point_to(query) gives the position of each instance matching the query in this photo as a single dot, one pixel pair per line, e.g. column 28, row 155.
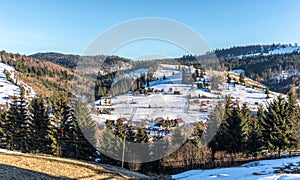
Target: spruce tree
column 109, row 146
column 255, row 138
column 141, row 136
column 233, row 143
column 213, row 131
column 19, row 126
column 85, row 131
column 68, row 132
column 277, row 126
column 44, row 140
column 294, row 116
column 242, row 78
column 26, row 126
column 246, row 121
column 120, row 129
column 4, row 130
column 220, row 140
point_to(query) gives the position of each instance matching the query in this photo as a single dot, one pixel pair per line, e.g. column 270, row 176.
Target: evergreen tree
column 4, row 130
column 130, row 134
column 242, row 78
column 213, row 131
column 220, row 140
column 68, row 147
column 19, row 124
column 277, row 126
column 254, row 143
column 294, row 115
column 44, row 132
column 246, row 121
column 292, row 97
column 26, row 127
column 141, row 136
column 58, row 105
column 84, row 131
column 109, row 146
column 233, row 143
column 120, row 129
column 267, row 92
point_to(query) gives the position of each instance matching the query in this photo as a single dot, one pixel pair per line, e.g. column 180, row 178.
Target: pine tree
column 26, row 126
column 84, row 131
column 44, row 140
column 294, row 116
column 267, row 92
column 120, row 129
column 130, row 134
column 19, row 126
column 233, row 143
column 109, row 147
column 220, row 141
column 213, row 130
column 246, row 121
column 141, row 136
column 68, row 135
column 292, row 96
column 57, row 107
column 277, row 126
column 242, row 78
column 4, row 130
column 254, row 143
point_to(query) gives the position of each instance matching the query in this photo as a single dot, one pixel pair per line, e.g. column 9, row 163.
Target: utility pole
column 123, row 153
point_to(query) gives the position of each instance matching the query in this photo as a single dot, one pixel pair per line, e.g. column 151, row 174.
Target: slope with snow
column 187, row 105
column 7, row 88
column 285, row 49
column 265, row 168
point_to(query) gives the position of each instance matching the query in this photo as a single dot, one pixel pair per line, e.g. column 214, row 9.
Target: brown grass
column 28, row 166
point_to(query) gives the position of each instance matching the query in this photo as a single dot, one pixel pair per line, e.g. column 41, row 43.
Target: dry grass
column 28, row 166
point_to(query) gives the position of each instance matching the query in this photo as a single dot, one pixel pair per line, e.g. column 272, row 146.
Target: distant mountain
column 254, row 50
column 71, row 61
column 67, row 60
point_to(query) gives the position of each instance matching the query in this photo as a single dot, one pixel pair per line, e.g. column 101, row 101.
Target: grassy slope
column 29, row 166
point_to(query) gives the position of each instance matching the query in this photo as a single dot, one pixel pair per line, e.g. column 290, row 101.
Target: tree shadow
column 13, row 172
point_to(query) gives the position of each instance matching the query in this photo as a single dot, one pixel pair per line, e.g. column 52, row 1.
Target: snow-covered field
column 6, row 88
column 187, row 105
column 283, row 50
column 245, row 172
column 279, row 50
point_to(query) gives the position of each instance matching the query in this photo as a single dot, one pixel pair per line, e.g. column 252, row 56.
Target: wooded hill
column 45, row 77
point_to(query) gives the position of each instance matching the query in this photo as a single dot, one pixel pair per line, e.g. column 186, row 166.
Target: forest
column 55, row 126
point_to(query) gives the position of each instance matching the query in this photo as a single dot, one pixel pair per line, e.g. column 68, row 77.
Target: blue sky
column 69, row 26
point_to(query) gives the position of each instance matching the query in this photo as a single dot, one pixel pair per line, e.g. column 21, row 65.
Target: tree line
column 48, row 125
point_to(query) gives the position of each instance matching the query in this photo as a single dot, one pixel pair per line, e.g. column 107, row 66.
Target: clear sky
column 68, row 26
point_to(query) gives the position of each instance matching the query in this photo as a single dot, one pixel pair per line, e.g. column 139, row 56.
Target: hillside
column 29, row 166
column 46, row 78
column 254, row 50
column 261, row 62
column 286, row 168
column 71, row 61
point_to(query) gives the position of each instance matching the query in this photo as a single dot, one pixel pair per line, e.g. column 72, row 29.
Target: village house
column 105, row 100
column 143, row 124
column 179, row 122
